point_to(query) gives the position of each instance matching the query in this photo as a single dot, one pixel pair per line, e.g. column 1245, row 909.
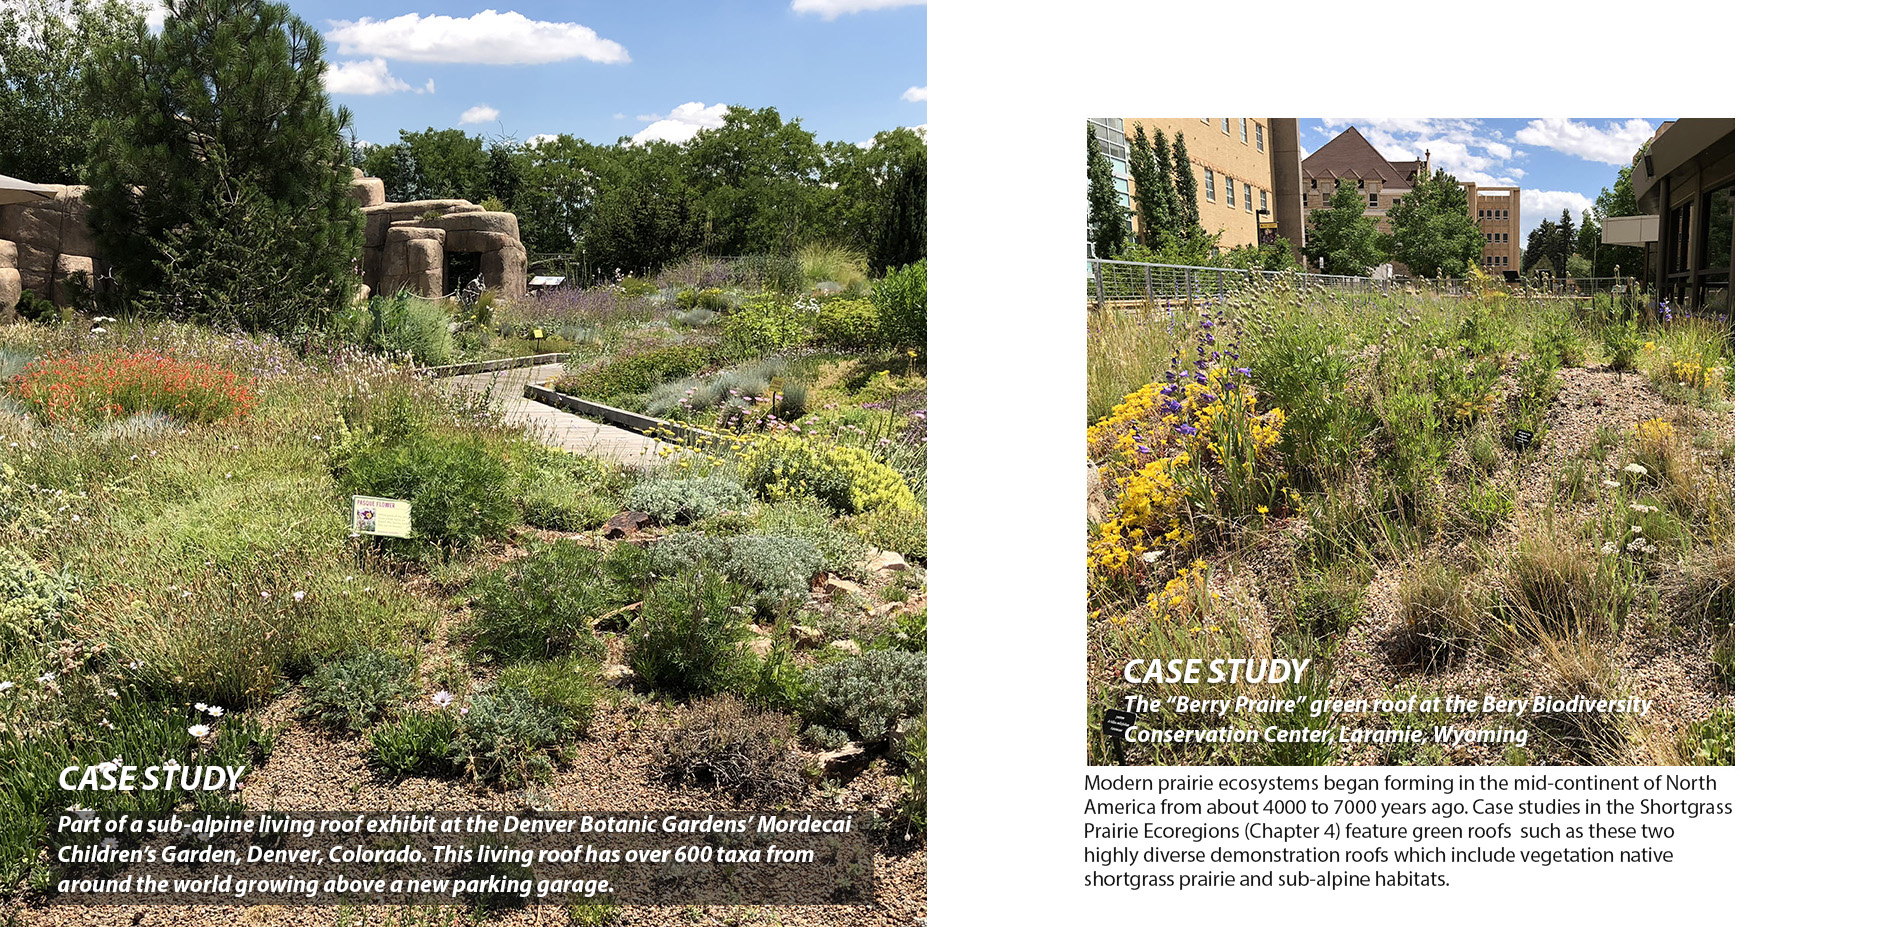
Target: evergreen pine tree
column 1565, row 245
column 219, row 185
column 902, row 230
column 1108, row 232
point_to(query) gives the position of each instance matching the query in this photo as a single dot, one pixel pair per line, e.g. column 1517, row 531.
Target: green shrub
column 721, row 744
column 915, row 756
column 905, row 531
column 33, row 603
column 1711, row 741
column 559, row 503
column 562, row 491
column 685, row 500
column 357, row 692
column 571, row 687
column 841, row 549
column 764, row 324
column 417, row 743
column 779, row 569
column 685, row 641
column 902, row 301
column 851, row 324
column 635, row 373
column 541, row 605
column 409, row 326
column 511, row 738
column 868, row 694
column 1621, row 343
column 461, row 486
column 847, row 479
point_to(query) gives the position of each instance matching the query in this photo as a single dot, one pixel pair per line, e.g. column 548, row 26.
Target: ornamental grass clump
column 87, row 389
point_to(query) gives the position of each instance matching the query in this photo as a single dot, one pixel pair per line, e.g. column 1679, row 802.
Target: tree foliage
column 1153, row 196
column 1619, row 199
column 1108, row 229
column 219, row 181
column 902, row 227
column 1185, row 188
column 46, row 105
column 1343, row 236
column 1433, row 233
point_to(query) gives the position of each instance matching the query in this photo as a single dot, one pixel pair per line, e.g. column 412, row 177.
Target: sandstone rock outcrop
column 405, row 244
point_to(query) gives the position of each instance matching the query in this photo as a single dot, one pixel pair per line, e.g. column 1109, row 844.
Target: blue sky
column 1558, row 163
column 847, row 69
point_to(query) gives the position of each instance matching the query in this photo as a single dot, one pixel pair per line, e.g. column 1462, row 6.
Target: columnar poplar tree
column 1107, row 230
column 1186, row 187
column 1164, row 181
column 1151, row 204
column 219, row 182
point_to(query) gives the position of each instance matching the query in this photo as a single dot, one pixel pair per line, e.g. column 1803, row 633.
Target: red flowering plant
column 85, row 389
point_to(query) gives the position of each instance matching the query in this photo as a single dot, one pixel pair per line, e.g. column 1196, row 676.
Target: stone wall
column 40, row 244
column 404, row 245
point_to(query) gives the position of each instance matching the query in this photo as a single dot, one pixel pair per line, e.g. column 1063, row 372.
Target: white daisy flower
column 442, row 699
column 200, row 731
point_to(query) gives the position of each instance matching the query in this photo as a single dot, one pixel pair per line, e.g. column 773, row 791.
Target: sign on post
column 376, row 515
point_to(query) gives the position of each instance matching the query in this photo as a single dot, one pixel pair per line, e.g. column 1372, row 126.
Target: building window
column 1316, row 183
column 1325, row 199
column 1230, row 191
column 1226, row 126
column 1372, row 202
column 1506, row 215
column 1259, row 137
column 1247, row 196
column 1210, row 183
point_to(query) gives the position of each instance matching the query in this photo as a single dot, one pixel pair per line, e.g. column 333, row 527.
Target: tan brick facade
column 1233, row 172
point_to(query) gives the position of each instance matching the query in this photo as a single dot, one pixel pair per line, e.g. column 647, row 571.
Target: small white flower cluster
column 1644, row 509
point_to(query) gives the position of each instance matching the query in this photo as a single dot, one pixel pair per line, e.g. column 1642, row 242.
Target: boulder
column 367, row 191
column 806, row 636
column 619, row 674
column 883, row 560
column 9, row 253
column 506, row 271
column 627, row 524
column 848, row 647
column 835, row 586
column 846, row 761
column 68, row 265
column 466, row 240
column 9, row 292
column 479, row 220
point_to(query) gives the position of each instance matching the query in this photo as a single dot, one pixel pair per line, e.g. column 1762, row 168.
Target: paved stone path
column 555, row 427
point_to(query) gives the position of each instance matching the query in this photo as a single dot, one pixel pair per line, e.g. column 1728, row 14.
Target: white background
column 1810, row 85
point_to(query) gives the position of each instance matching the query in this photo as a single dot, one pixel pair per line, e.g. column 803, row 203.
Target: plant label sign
column 376, row 515
column 1522, row 439
column 1116, row 722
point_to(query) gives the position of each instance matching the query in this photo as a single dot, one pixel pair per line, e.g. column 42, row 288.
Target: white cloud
column 487, row 37
column 476, row 115
column 1614, row 145
column 1459, row 146
column 537, row 140
column 620, row 115
column 832, row 9
column 155, row 13
column 368, row 78
column 923, row 132
column 917, row 94
column 685, row 121
column 1538, row 205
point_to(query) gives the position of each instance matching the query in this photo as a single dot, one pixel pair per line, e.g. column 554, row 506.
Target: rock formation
column 404, row 245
